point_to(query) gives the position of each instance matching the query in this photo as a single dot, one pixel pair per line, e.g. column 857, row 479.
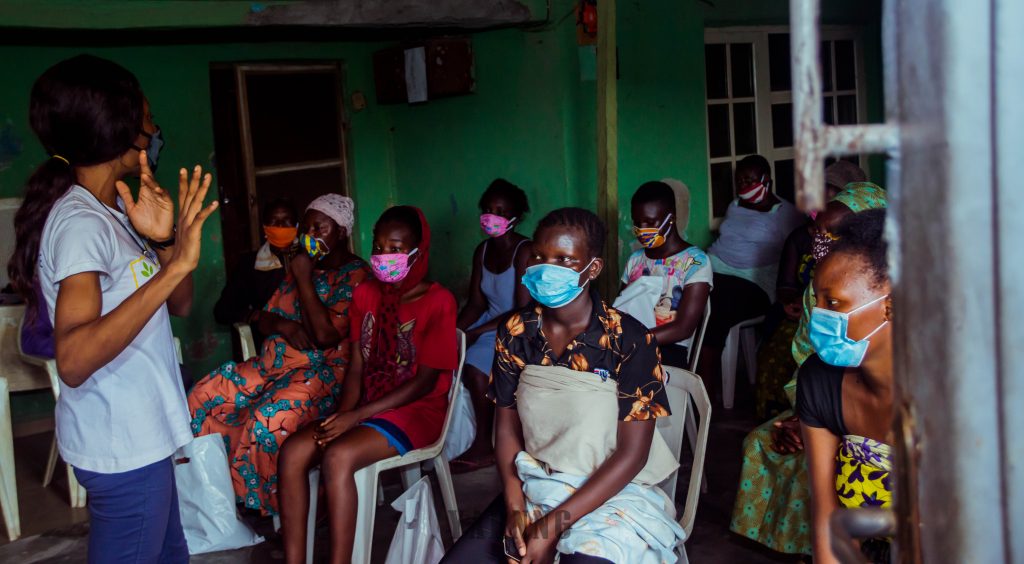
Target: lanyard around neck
column 146, row 252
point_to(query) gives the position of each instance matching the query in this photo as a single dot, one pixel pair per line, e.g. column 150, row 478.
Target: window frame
column 757, row 36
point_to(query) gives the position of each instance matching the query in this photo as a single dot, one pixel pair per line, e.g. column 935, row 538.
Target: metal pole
column 808, row 154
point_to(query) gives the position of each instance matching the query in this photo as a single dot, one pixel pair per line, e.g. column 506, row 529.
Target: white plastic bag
column 463, row 427
column 417, row 538
column 639, row 299
column 207, row 499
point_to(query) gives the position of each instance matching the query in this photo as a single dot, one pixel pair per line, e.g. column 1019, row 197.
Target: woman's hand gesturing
column 152, row 215
column 191, row 216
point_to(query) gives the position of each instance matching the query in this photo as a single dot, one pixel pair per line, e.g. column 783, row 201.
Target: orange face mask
column 280, row 237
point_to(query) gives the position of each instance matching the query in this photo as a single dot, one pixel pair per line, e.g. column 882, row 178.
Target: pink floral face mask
column 391, row 268
column 495, row 225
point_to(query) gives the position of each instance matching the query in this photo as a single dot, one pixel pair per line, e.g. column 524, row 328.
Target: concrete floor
column 53, row 532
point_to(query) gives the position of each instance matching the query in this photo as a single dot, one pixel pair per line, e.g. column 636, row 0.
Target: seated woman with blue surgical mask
column 845, row 390
column 578, row 387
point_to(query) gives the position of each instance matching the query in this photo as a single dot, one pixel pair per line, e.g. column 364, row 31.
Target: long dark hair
column 85, row 111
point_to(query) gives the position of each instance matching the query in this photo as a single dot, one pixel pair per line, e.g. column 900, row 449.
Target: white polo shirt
column 131, row 412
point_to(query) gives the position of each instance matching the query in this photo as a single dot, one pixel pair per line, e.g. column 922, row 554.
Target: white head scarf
column 337, row 207
column 682, row 204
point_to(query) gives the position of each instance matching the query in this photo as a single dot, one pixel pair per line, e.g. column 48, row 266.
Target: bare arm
column 821, row 445
column 508, row 439
column 477, row 302
column 179, row 303
column 84, row 339
column 352, row 387
column 787, row 281
column 409, row 391
column 688, row 315
column 508, row 443
column 294, row 332
column 316, row 318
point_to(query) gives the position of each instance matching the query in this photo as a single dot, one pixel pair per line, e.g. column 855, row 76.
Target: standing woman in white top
column 111, row 268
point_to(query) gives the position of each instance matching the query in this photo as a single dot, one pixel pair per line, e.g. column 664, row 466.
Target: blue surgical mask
column 156, row 141
column 552, row 285
column 828, row 334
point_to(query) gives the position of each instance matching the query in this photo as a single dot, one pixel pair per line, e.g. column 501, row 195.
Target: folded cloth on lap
column 570, row 421
column 636, row 525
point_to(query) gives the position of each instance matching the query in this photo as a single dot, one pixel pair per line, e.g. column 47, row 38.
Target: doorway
column 279, row 132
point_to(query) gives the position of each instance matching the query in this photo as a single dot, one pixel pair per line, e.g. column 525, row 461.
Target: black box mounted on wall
column 448, row 66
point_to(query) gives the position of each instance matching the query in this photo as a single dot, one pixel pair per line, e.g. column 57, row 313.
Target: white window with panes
column 749, row 101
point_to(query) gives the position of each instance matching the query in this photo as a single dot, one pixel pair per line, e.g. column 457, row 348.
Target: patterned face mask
column 754, row 193
column 651, row 237
column 393, row 267
column 822, row 245
column 314, row 246
column 495, row 225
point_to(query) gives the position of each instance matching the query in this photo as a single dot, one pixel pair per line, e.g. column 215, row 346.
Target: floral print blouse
column 614, row 345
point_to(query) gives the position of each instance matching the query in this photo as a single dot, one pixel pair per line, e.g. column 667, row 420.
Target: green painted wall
column 521, row 124
column 661, row 107
column 531, row 120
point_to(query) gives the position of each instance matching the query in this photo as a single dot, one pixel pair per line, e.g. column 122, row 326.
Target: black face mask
column 156, row 142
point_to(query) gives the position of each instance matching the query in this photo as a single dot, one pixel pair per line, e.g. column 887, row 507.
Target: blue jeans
column 133, row 516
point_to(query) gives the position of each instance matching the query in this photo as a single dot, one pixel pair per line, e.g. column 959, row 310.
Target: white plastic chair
column 245, row 338
column 691, row 420
column 368, row 489
column 75, row 491
column 682, row 388
column 698, row 338
column 742, row 339
column 8, row 485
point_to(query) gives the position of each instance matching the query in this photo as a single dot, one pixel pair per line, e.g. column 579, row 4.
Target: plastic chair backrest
column 682, row 388
column 246, row 342
column 698, row 337
column 47, row 364
column 453, row 392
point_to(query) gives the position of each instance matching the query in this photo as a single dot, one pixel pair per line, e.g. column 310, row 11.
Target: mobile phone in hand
column 511, row 550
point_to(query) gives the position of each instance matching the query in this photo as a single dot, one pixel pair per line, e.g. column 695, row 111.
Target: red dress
column 426, row 335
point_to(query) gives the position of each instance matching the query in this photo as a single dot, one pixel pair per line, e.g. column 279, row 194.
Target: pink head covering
column 337, row 207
